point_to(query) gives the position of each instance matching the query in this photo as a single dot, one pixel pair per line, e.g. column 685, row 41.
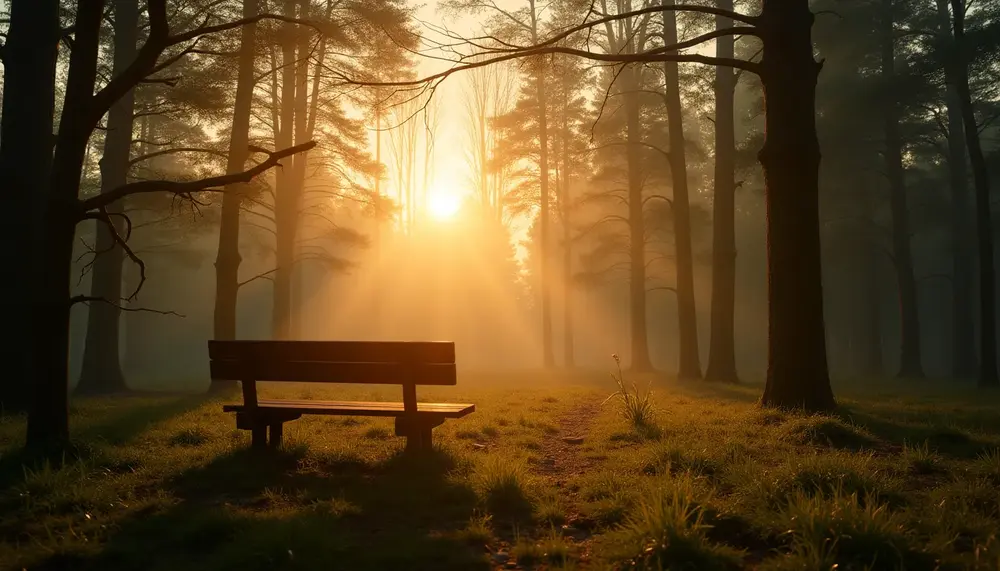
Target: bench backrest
column 357, row 362
column 360, row 362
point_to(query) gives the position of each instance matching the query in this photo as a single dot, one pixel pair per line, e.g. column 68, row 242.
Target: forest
column 770, row 214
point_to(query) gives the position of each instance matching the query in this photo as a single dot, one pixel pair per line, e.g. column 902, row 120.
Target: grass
column 899, row 477
column 635, row 406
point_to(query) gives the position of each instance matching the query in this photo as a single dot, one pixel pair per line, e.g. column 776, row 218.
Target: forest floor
column 544, row 475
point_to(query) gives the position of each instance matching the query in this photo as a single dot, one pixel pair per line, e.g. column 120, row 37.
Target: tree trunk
column 26, row 137
column 569, row 360
column 548, row 356
column 871, row 322
column 286, row 198
column 909, row 358
column 797, row 374
column 984, row 224
column 299, row 168
column 722, row 343
column 636, row 225
column 48, row 421
column 964, row 362
column 689, row 366
column 228, row 259
column 102, row 372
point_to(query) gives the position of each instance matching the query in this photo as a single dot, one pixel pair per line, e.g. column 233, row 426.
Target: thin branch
column 89, row 298
column 261, row 276
column 155, row 154
column 215, row 183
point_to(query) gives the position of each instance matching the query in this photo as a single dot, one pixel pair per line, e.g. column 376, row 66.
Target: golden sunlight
column 443, row 203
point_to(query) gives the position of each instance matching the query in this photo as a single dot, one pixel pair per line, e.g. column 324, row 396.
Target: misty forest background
column 654, row 206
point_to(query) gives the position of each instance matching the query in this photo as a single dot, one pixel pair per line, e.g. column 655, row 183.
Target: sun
column 443, row 204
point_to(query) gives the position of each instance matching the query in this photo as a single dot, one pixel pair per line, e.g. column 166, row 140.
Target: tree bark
column 636, row 222
column 964, row 362
column 871, row 322
column 689, row 366
column 797, row 374
column 984, row 225
column 299, row 168
column 48, row 421
column 722, row 343
column 26, row 137
column 228, row 259
column 101, row 372
column 548, row 355
column 566, row 206
column 286, row 198
column 910, row 365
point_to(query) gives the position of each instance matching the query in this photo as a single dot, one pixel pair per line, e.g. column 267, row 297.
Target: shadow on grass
column 944, row 439
column 129, row 416
column 126, row 417
column 288, row 510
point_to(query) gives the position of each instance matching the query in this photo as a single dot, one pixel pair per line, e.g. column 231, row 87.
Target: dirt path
column 561, row 452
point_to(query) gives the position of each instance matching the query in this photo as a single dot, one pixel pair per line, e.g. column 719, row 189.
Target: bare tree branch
column 89, row 299
column 186, row 188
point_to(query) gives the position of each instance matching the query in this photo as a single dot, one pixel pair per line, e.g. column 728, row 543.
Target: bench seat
column 357, row 408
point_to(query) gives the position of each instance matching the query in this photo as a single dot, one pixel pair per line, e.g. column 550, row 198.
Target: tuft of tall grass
column 551, row 548
column 635, row 406
column 479, row 530
column 503, row 484
column 853, row 532
column 920, row 459
column 667, row 530
column 987, row 465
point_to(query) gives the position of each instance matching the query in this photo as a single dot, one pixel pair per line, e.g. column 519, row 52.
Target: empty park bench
column 350, row 362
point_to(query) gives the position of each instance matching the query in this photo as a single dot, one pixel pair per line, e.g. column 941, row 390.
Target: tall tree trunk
column 689, row 366
column 299, row 168
column 984, row 224
column 286, row 198
column 964, row 362
column 228, row 259
column 548, row 356
column 377, row 239
column 870, row 324
column 26, row 137
column 565, row 203
column 636, row 225
column 48, row 421
column 797, row 374
column 101, row 371
column 722, row 343
column 909, row 358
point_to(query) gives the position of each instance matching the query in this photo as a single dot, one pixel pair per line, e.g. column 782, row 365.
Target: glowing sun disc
column 443, row 204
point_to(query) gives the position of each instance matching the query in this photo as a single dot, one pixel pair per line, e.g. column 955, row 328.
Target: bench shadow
column 286, row 509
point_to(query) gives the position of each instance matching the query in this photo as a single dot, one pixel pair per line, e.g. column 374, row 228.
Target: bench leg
column 258, row 437
column 419, row 439
column 417, row 431
column 425, row 437
column 275, row 438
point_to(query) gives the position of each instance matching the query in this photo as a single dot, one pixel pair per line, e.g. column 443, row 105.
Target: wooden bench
column 353, row 362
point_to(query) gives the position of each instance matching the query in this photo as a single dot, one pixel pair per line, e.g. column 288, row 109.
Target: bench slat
column 439, row 352
column 357, row 408
column 345, row 373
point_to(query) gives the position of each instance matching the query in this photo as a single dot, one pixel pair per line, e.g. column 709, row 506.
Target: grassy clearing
column 707, row 480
